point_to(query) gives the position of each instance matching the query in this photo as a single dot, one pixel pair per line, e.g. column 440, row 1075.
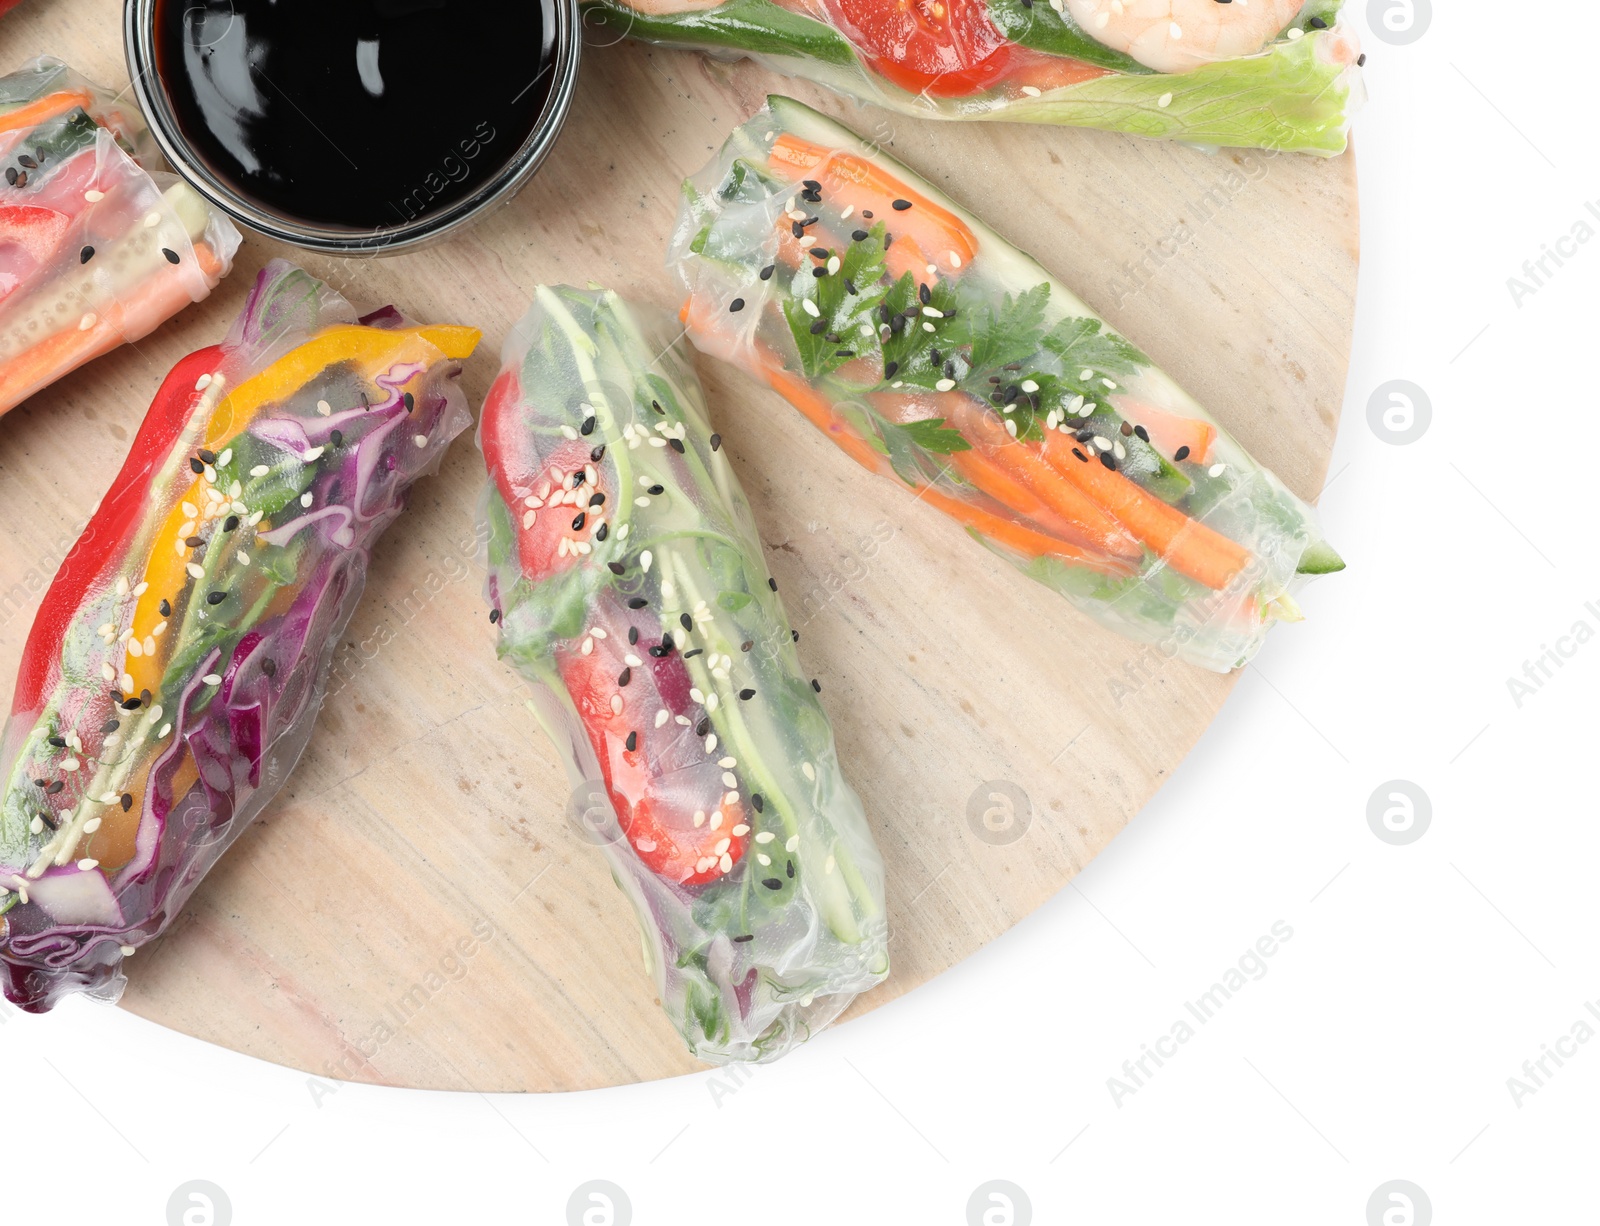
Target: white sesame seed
column 312, row 453
column 711, row 742
column 833, row 263
column 260, row 470
column 152, row 220
column 196, row 570
column 211, row 679
column 645, row 559
column 1216, row 470
column 1295, row 32
column 1033, row 91
column 305, row 499
column 109, row 673
column 926, row 326
column 127, row 951
column 662, row 717
column 726, row 863
column 94, row 197
column 716, row 820
column 632, row 661
column 729, row 780
column 141, row 589
column 36, row 826
column 324, row 408
column 88, row 321
column 90, row 826
column 222, row 460
column 793, row 844
column 763, row 859
column 1165, row 100
column 203, row 382
column 944, row 385
column 88, row 863
column 809, row 771
column 1029, row 386
column 616, row 704
column 135, row 648
column 567, row 432
column 810, row 308
column 766, row 836
column 699, row 818
column 165, row 728
column 127, row 682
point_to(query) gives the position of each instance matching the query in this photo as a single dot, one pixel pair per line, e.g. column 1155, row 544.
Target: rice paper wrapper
column 173, row 676
column 937, row 354
column 99, row 245
column 630, row 589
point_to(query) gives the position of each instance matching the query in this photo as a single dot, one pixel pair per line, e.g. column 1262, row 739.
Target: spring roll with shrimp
column 932, row 351
column 174, row 671
column 630, row 588
column 1273, row 74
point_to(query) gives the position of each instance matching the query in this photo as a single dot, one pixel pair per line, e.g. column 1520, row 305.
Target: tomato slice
column 672, row 801
column 943, row 48
column 29, row 236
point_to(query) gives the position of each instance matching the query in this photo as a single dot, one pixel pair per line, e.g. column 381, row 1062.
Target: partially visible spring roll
column 95, row 249
column 931, row 350
column 175, row 668
column 630, row 588
column 1273, row 74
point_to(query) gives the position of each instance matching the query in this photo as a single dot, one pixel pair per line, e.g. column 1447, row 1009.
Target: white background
column 1379, row 1042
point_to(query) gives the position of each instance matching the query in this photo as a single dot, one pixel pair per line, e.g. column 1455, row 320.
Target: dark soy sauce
column 359, row 114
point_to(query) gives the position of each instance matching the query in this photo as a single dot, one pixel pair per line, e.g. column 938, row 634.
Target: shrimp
column 1180, row 35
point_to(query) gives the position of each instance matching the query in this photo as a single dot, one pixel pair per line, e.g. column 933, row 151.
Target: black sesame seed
column 1316, row 23
column 60, row 742
column 703, row 727
column 55, row 787
column 49, row 821
column 625, row 676
column 494, row 616
column 900, row 206
column 336, row 437
column 867, row 213
column 409, row 401
column 638, row 602
column 616, row 568
column 736, row 305
column 772, row 883
column 172, row 256
column 126, row 802
column 1142, row 433
column 596, row 455
column 603, row 531
column 596, row 500
column 25, row 160
column 859, row 235
column 270, row 667
column 216, row 598
column 166, row 608
column 667, row 644
column 11, row 175
column 889, row 368
column 656, row 489
column 850, row 286
column 207, row 457
column 676, row 444
column 766, row 273
column 716, row 442
column 633, row 634
column 797, row 230
column 818, row 328
column 633, row 741
column 1080, row 455
column 111, row 725
column 795, row 636
column 193, row 542
column 820, row 253
column 743, row 937
column 578, row 521
column 746, row 645
column 811, row 185
column 821, row 270
column 195, row 465
column 760, row 805
column 131, row 704
column 1127, row 430
column 656, row 405
column 229, row 524
column 1361, row 60
column 746, row 695
column 1182, row 453
column 1105, row 458
column 689, row 655
column 86, row 255
column 924, row 294
column 686, row 621
column 788, row 867
column 772, row 583
column 1083, row 436
column 587, row 427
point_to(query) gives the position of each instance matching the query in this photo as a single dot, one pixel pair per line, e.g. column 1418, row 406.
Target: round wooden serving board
column 345, row 933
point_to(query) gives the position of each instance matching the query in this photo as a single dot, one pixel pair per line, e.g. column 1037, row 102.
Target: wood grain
column 345, row 933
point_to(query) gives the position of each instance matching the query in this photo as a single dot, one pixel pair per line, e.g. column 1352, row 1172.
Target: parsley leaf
column 841, row 313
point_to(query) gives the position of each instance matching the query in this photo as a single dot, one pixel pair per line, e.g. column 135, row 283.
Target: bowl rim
column 138, row 34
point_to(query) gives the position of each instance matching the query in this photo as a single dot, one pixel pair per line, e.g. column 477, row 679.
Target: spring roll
column 95, row 250
column 176, row 665
column 1274, row 74
column 630, row 589
column 931, row 350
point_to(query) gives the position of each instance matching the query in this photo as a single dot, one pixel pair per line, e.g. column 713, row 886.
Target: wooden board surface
column 334, row 936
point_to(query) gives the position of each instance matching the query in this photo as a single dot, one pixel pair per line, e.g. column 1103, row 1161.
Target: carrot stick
column 40, row 109
column 1018, row 538
column 867, row 187
column 984, row 431
column 1187, row 545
